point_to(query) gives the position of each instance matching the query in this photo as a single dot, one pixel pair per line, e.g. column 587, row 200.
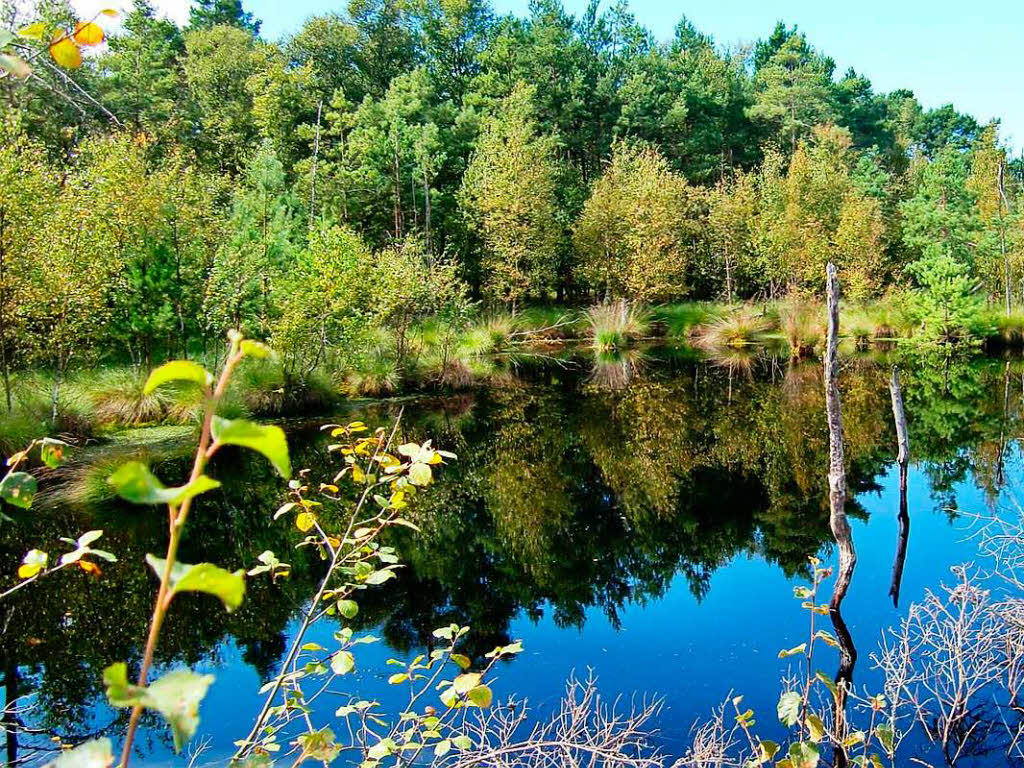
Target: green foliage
column 946, row 303
column 638, row 228
column 521, row 234
column 176, row 696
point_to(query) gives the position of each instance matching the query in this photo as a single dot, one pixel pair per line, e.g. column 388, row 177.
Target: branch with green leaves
column 442, row 685
column 176, row 695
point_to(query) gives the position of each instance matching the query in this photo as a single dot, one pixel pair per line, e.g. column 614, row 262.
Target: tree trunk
column 902, row 460
column 837, row 508
column 837, row 461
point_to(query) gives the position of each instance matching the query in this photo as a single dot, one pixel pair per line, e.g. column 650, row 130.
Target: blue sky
column 944, row 52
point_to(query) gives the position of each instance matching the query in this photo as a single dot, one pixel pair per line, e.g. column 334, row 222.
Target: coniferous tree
column 210, row 13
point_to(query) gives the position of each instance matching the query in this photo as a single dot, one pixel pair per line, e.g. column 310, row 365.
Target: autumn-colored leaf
column 65, row 52
column 88, row 33
column 34, row 31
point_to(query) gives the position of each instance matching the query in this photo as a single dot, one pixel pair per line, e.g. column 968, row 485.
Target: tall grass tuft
column 615, row 324
column 1010, row 328
column 802, row 325
column 118, row 399
column 737, row 328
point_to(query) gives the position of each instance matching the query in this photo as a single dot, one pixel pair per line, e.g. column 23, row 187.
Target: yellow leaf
column 35, row 31
column 28, row 570
column 65, row 52
column 109, row 12
column 305, row 521
column 88, row 33
column 88, row 567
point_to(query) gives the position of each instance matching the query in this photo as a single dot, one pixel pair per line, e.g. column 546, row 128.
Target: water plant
column 737, row 327
column 614, row 324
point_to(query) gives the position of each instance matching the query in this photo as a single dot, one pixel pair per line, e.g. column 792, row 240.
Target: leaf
column 768, row 750
column 15, row 65
column 97, row 753
column 88, row 33
column 886, row 737
column 442, row 748
column 481, row 696
column 462, row 660
column 320, row 746
column 397, row 678
column 462, row 742
column 268, row 440
column 34, row 31
column 420, row 474
column 135, row 483
column 64, row 51
column 32, row 563
column 176, row 696
column 88, row 538
column 796, row 650
column 343, row 662
column 177, row 370
column 379, row 577
column 305, row 521
column 52, row 452
column 348, row 608
column 815, row 727
column 789, row 708
column 803, row 754
column 467, row 682
column 19, row 489
column 203, row 577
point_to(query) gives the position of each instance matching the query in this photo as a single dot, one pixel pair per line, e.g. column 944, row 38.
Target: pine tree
column 209, row 13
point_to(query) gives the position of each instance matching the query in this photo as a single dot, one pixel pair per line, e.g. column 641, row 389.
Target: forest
column 568, row 289
column 391, row 191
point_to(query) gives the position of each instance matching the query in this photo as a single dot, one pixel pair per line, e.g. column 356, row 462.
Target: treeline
column 407, row 158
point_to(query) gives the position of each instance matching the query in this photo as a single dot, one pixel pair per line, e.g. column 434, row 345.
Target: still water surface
column 644, row 518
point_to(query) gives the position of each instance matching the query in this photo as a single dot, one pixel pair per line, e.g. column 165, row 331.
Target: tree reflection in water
column 576, row 487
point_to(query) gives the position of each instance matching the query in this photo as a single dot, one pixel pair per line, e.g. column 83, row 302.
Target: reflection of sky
column 693, row 653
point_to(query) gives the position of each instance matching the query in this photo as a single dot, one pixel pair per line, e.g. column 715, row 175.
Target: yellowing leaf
column 33, row 562
column 92, row 754
column 64, row 51
column 34, row 31
column 109, row 12
column 88, row 33
column 481, row 696
column 342, row 662
column 15, row 65
column 420, row 474
column 305, row 521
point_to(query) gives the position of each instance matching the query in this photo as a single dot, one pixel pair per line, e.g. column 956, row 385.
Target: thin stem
column 176, row 520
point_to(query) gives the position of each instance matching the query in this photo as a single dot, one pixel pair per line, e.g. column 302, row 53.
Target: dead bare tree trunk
column 902, row 460
column 837, row 507
column 837, row 461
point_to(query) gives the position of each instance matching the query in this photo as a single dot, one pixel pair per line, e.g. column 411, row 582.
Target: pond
column 641, row 518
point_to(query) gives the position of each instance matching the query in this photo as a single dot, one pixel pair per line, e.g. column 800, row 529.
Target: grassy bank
column 435, row 356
